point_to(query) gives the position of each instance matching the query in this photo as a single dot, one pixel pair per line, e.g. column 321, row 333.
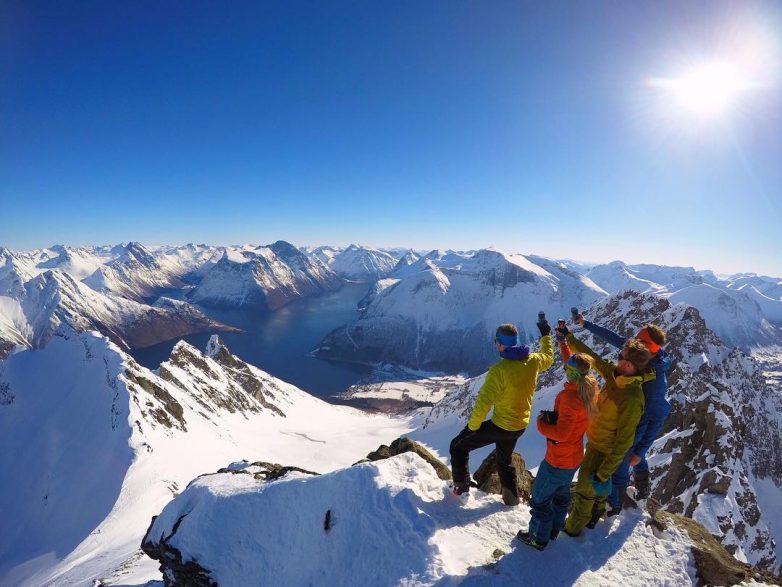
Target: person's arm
column 564, row 351
column 544, row 357
column 604, row 334
column 560, row 431
column 485, row 399
column 605, row 368
column 629, row 414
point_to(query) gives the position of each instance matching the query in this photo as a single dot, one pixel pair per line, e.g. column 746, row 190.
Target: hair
column 586, row 385
column 635, row 352
column 507, row 330
column 656, row 333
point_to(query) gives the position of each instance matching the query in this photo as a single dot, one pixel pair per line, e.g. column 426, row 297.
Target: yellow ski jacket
column 508, row 387
column 620, row 404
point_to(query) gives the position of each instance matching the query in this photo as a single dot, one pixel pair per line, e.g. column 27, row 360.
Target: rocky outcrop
column 488, row 479
column 403, row 445
column 714, row 565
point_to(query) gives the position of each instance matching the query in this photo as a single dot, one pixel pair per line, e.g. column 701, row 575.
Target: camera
column 549, row 416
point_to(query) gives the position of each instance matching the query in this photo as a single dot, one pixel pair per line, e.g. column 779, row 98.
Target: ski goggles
column 506, row 339
column 643, row 336
column 571, row 371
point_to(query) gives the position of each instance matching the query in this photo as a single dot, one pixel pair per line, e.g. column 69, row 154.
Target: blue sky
column 529, row 126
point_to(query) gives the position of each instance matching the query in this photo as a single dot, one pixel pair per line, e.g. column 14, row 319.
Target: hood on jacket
column 519, row 352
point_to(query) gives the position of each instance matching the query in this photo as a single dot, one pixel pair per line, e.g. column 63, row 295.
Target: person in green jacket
column 508, row 388
column 611, row 433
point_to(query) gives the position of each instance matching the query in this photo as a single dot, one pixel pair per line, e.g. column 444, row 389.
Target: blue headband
column 506, row 339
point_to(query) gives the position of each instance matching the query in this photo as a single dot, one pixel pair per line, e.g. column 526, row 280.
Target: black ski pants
column 488, row 433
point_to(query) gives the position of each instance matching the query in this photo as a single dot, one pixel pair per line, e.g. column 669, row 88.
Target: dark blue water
column 278, row 342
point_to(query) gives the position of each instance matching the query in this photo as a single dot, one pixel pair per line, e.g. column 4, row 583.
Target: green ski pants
column 583, row 497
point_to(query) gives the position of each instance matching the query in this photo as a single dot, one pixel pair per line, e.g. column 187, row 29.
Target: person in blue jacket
column 656, row 410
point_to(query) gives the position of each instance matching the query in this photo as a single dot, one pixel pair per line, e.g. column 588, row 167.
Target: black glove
column 548, row 416
column 544, row 328
column 561, row 333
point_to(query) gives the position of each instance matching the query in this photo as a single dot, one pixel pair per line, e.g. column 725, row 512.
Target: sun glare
column 708, row 90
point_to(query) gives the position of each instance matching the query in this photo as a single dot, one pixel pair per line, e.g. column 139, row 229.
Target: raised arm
column 605, row 368
column 544, row 357
column 604, row 334
column 564, row 351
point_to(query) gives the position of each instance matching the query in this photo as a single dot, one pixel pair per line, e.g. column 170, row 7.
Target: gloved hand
column 601, row 487
column 544, row 328
column 561, row 333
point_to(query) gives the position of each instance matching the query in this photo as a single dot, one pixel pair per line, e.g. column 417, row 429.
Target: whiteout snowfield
column 95, row 445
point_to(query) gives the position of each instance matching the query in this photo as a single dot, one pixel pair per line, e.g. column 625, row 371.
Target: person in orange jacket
column 564, row 430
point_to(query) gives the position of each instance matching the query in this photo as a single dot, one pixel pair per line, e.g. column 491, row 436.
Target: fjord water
column 278, row 342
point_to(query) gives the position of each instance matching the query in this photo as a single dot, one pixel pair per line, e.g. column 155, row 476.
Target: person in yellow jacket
column 620, row 404
column 508, row 388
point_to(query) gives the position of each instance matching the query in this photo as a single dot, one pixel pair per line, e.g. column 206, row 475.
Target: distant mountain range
column 97, row 444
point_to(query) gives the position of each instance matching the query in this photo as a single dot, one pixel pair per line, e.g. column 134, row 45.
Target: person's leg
column 467, row 441
column 619, row 482
column 543, row 489
column 641, row 479
column 583, row 494
column 560, row 501
column 505, row 444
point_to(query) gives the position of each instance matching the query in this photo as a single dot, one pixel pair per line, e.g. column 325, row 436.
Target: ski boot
column 530, row 541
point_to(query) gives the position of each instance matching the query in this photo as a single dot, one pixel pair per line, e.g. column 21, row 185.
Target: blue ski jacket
column 656, row 406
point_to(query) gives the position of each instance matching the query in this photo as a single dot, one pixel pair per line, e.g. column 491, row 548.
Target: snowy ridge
column 121, row 440
column 442, row 312
column 745, row 310
column 355, row 262
column 267, row 277
column 392, row 522
column 135, row 275
column 53, row 298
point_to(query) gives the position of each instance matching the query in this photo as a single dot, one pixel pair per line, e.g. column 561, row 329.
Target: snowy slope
column 136, row 274
column 268, row 277
column 734, row 315
column 53, row 298
column 768, row 286
column 121, row 440
column 355, row 262
column 616, row 276
column 442, row 313
column 391, row 522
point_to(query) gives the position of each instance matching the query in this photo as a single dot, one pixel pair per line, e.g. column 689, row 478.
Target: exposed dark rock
column 404, row 444
column 489, row 481
column 268, row 472
column 714, row 564
column 6, row 395
column 171, row 413
column 176, row 572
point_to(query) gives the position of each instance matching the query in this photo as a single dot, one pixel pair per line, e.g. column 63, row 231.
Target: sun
column 708, row 90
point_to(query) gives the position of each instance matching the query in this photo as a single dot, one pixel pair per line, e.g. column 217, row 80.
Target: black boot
column 510, row 496
column 641, row 482
column 617, row 509
column 597, row 513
